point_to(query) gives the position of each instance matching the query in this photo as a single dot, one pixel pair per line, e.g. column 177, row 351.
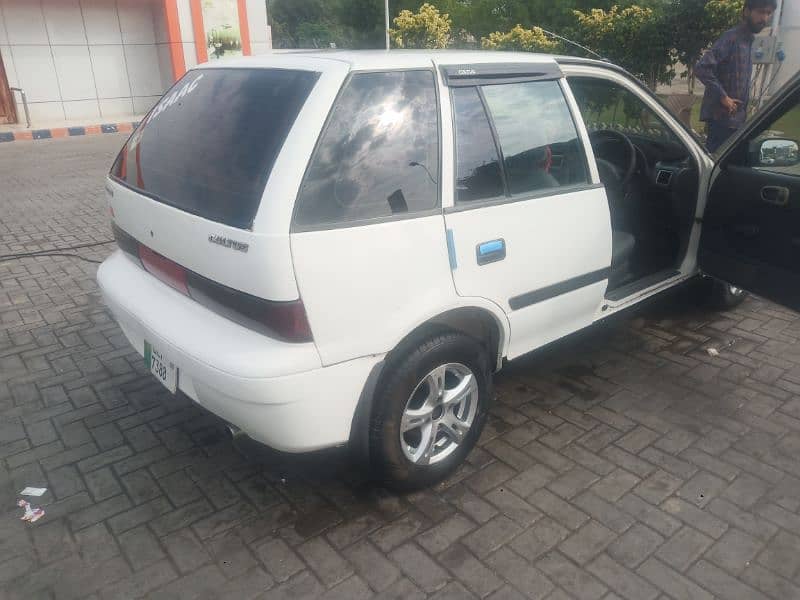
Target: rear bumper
column 277, row 393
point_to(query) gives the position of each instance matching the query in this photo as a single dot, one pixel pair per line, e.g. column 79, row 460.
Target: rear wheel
column 429, row 411
column 723, row 296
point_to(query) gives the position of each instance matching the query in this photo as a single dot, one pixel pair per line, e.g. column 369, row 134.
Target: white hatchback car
column 341, row 248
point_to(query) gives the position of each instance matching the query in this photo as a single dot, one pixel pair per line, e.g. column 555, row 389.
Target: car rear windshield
column 209, row 145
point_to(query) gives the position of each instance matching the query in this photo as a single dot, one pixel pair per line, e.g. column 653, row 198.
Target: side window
column 537, row 136
column 607, row 105
column 378, row 155
column 478, row 172
column 775, row 149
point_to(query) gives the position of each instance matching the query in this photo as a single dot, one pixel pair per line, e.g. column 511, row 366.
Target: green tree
column 519, row 38
column 427, row 28
column 695, row 24
column 634, row 37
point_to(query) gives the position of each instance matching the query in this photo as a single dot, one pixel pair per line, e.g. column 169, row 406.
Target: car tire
column 723, row 296
column 438, row 392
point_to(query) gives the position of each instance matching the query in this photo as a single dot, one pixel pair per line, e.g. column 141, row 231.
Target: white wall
column 85, row 59
column 260, row 34
column 789, row 34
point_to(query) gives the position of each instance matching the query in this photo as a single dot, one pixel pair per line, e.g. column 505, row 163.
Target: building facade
column 98, row 59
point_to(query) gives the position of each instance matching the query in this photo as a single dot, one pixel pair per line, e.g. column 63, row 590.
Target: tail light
column 285, row 320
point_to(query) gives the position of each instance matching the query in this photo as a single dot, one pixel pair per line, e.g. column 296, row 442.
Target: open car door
column 751, row 226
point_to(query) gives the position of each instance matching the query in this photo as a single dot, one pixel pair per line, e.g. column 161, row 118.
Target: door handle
column 489, row 252
column 775, row 195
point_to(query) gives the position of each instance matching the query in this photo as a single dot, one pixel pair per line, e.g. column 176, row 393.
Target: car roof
column 367, row 60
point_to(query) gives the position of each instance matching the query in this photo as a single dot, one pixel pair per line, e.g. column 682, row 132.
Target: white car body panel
column 539, row 254
column 274, row 391
column 365, row 286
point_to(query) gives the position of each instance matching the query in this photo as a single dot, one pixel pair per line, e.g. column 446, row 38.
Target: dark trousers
column 717, row 134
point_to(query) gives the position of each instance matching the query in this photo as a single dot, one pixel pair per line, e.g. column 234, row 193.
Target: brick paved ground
column 625, row 464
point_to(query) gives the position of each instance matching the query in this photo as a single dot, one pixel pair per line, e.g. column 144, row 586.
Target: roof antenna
column 576, row 44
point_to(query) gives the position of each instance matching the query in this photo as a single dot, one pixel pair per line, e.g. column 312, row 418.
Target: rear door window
column 537, row 135
column 479, row 175
column 209, row 145
column 378, row 155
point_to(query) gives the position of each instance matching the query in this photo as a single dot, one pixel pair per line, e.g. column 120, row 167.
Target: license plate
column 161, row 367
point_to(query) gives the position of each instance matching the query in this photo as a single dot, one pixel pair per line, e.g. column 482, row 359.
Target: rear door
column 529, row 225
column 202, row 180
column 751, row 226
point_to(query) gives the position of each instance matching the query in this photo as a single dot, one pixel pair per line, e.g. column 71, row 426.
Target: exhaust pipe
column 234, row 432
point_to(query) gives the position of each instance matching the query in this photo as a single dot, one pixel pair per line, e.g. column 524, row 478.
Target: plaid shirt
column 725, row 70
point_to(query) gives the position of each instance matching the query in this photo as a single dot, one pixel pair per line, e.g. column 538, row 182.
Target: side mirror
column 777, row 152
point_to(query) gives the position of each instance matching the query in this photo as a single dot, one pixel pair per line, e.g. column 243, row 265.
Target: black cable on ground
column 57, row 252
column 83, row 258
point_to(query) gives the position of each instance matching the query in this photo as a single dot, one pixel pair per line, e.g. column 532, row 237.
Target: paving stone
column 440, row 537
column 326, row 563
column 281, row 562
column 527, row 579
column 635, row 545
column 769, row 583
column 719, row 583
column 231, row 554
column 572, row 482
column 353, row 588
column 203, row 581
column 489, row 477
column 623, row 581
column 96, row 544
column 179, row 488
column 140, row 584
column 658, row 486
column 576, row 581
column 186, row 551
column 746, row 521
column 397, row 532
column 558, row 510
column 400, row 590
column 419, row 567
column 614, row 485
column 637, row 440
column 540, row 538
column 469, row 570
column 140, row 486
column 701, row 488
column 684, row 548
column 453, row 591
column 489, row 537
column 781, row 554
column 604, row 512
column 65, row 481
column 531, row 480
column 513, row 506
column 140, row 547
column 100, row 511
column 102, row 484
column 583, row 545
column 691, row 515
column 673, row 583
column 734, row 551
column 373, row 566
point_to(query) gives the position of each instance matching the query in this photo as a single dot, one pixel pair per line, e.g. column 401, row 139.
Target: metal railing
column 24, row 104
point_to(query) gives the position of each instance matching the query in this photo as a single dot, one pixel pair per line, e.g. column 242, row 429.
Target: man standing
column 726, row 70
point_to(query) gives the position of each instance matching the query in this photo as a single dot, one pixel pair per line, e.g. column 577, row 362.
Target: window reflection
column 537, row 136
column 478, row 173
column 379, row 153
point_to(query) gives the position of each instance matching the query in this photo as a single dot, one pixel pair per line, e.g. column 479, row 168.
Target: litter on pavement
column 32, row 513
column 33, row 491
